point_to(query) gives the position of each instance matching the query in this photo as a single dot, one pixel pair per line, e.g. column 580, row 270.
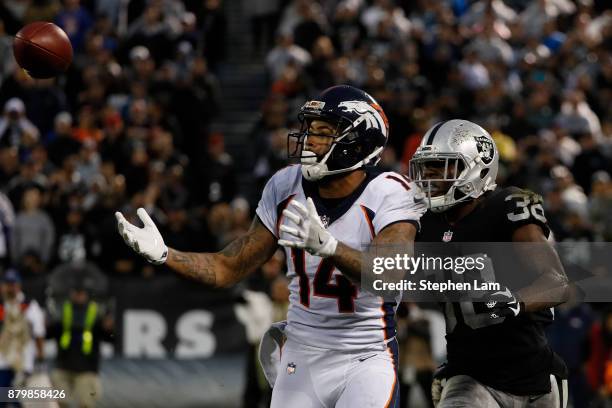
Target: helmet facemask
column 339, row 158
column 442, row 178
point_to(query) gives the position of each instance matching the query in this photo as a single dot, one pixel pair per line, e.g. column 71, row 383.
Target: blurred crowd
column 129, row 125
column 536, row 74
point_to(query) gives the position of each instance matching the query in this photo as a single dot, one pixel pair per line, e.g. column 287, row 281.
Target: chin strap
column 316, row 171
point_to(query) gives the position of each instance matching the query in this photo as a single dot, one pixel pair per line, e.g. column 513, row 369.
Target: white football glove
column 309, row 232
column 146, row 241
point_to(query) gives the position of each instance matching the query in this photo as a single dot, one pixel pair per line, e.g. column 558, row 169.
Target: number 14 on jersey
column 339, row 288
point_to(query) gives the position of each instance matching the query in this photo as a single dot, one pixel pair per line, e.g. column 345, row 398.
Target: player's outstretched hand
column 147, row 241
column 309, row 232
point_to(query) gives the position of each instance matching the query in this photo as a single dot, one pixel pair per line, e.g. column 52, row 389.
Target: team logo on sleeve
column 485, row 147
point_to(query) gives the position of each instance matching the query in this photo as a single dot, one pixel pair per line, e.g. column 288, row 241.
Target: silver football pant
column 462, row 391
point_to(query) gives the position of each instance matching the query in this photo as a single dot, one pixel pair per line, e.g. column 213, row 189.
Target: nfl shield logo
column 290, row 368
column 448, row 235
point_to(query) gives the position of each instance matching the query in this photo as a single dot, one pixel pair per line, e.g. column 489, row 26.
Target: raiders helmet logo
column 324, row 220
column 485, row 147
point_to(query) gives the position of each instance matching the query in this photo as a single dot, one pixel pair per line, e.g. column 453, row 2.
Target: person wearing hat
column 78, row 331
column 22, row 331
column 572, row 195
column 142, row 65
column 15, row 128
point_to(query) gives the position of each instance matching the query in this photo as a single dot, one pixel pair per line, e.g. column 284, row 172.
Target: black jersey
column 513, row 355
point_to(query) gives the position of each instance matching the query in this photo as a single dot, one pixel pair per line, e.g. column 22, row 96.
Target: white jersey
column 327, row 310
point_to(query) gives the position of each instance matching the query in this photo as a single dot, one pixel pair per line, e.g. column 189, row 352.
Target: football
column 42, row 49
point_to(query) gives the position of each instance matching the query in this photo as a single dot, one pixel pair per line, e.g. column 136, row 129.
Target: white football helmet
column 469, row 159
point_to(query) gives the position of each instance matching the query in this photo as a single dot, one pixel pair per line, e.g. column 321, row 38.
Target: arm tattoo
column 245, row 254
column 239, row 258
column 401, row 233
column 350, row 261
column 193, row 265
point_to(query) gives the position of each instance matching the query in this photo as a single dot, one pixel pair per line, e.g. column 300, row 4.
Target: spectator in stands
column 220, row 224
column 577, row 117
column 297, row 12
column 590, row 160
column 573, row 196
column 75, row 20
column 15, row 128
column 75, row 238
column 34, row 230
column 182, row 229
column 310, row 27
column 213, row 25
column 152, row 30
column 205, row 86
column 143, row 65
column 78, row 332
column 474, row 73
column 60, row 142
column 43, row 100
column 216, row 173
column 284, row 53
column 383, row 15
column 490, row 46
column 567, row 147
column 6, row 54
column 349, row 33
column 190, row 37
column 320, row 69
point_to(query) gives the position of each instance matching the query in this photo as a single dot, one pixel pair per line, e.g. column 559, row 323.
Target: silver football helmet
column 457, row 160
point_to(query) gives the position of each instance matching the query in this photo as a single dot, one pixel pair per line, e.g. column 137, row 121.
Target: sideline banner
column 167, row 317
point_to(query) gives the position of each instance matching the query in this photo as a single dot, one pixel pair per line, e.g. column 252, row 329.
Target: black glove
column 499, row 304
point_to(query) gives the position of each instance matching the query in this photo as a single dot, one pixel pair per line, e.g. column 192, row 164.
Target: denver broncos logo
column 371, row 114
